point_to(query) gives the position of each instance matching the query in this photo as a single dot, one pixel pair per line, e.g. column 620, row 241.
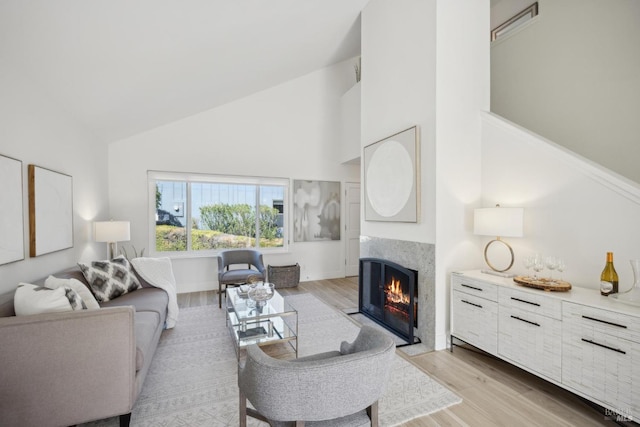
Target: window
column 199, row 214
column 514, row 22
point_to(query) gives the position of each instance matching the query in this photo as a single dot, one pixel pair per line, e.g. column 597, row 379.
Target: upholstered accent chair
column 254, row 267
column 336, row 388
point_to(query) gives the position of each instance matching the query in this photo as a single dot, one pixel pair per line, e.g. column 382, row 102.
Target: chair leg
column 219, row 295
column 243, row 410
column 125, row 419
column 372, row 411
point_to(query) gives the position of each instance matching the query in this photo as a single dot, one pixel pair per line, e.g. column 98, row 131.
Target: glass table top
column 246, row 309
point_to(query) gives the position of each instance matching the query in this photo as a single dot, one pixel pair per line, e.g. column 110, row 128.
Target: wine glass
column 528, row 263
column 562, row 266
column 538, row 265
column 551, row 263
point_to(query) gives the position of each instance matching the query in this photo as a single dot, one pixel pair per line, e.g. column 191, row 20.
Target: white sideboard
column 579, row 340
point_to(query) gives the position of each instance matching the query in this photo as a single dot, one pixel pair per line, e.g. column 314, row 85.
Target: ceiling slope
column 121, row 67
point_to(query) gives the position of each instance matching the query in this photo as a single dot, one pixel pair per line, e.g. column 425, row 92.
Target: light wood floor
column 494, row 392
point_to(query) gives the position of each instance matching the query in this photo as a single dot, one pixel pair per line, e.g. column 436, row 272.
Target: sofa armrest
column 67, row 368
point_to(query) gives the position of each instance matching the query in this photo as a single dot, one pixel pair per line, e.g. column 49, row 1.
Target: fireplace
column 388, row 294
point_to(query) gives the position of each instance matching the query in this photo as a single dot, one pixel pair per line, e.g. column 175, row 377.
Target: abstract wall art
column 391, row 178
column 316, row 210
column 50, row 211
column 11, row 220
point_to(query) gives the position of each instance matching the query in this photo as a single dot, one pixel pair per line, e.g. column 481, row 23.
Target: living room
column 423, row 63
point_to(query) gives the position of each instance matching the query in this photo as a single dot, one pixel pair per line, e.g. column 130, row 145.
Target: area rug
column 192, row 380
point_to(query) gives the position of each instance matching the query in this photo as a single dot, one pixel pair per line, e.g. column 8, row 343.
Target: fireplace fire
column 388, row 295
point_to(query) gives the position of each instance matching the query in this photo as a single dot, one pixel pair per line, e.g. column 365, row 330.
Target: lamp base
column 498, row 273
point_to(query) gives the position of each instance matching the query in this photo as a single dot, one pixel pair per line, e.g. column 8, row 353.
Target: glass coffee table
column 274, row 322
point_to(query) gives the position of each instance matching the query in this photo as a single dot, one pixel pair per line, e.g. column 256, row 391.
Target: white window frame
column 154, row 176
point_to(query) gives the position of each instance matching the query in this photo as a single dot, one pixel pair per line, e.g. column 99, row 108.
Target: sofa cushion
column 31, row 299
column 81, row 289
column 147, row 326
column 110, row 279
column 145, row 299
column 239, row 275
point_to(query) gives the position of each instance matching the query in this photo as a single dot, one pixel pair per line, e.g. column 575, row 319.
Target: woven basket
column 284, row 276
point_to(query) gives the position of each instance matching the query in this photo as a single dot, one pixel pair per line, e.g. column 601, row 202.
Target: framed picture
column 391, row 178
column 50, row 211
column 11, row 222
column 316, row 210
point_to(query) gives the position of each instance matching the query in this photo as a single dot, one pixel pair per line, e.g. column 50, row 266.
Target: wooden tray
column 544, row 284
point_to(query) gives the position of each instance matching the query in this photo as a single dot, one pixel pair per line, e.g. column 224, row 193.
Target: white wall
column 573, row 76
column 348, row 147
column 426, row 63
column 462, row 82
column 398, row 92
column 574, row 208
column 35, row 130
column 287, row 131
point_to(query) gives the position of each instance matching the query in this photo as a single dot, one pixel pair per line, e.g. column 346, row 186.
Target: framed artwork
column 391, row 178
column 11, row 222
column 316, row 210
column 50, row 211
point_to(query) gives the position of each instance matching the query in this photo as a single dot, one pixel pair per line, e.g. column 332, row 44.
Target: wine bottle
column 609, row 278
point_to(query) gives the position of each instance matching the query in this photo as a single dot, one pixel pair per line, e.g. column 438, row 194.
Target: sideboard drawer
column 474, row 287
column 607, row 322
column 604, row 367
column 475, row 321
column 532, row 340
column 539, row 303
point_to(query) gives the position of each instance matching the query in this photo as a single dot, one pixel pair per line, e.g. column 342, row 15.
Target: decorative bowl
column 262, row 292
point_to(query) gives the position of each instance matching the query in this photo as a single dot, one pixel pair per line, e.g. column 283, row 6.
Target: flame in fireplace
column 394, row 292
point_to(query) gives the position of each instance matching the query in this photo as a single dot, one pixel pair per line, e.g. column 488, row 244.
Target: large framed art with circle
column 391, row 177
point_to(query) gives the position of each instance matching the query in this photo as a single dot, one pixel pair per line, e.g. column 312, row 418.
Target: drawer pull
column 604, row 321
column 526, row 302
column 470, row 303
column 617, row 350
column 525, row 321
column 472, row 287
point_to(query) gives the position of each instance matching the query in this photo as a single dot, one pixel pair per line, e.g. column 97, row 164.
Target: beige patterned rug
column 192, row 379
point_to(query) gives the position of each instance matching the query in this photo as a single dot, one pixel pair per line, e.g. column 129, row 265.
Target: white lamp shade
column 499, row 222
column 111, row 231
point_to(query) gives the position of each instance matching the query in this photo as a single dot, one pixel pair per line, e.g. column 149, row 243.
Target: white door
column 352, row 228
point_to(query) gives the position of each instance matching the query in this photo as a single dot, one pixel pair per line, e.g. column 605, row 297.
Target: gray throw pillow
column 110, row 279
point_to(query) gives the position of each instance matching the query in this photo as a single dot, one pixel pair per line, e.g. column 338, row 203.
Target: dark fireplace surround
column 388, row 295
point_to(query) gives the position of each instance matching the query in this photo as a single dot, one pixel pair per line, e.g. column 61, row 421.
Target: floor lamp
column 111, row 232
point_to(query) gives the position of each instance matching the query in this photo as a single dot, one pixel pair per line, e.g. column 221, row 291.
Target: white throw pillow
column 53, row 282
column 32, row 299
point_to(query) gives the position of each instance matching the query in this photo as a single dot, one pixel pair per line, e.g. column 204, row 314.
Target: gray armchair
column 337, row 388
column 238, row 276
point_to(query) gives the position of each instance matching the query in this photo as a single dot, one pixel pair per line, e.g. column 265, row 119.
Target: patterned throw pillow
column 110, row 279
column 32, row 299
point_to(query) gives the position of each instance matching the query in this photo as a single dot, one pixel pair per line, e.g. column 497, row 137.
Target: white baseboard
column 322, row 276
column 184, row 288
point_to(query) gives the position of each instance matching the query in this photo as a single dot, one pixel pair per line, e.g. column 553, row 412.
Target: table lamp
column 111, row 232
column 498, row 222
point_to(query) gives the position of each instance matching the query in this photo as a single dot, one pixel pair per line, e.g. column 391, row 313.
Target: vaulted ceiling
column 121, row 67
